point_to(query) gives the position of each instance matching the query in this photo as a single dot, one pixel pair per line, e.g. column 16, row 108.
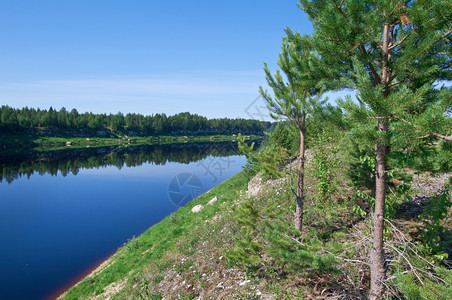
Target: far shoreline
column 21, row 142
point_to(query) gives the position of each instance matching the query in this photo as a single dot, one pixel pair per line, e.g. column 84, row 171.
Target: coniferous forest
column 15, row 120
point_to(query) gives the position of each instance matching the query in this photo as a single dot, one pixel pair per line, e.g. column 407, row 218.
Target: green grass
column 14, row 141
column 188, row 255
column 178, row 233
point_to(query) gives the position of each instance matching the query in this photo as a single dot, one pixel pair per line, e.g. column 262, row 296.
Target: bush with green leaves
column 436, row 237
column 325, row 162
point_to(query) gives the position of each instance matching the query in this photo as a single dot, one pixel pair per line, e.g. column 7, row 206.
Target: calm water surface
column 53, row 228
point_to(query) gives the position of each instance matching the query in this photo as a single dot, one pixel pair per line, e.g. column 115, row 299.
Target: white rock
column 197, row 208
column 258, row 293
column 214, row 199
column 243, row 283
column 220, row 286
column 255, row 185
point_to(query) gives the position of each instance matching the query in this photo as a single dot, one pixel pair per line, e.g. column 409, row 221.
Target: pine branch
column 371, row 67
column 377, row 118
column 378, row 44
column 437, row 135
column 398, row 43
column 396, row 83
column 444, row 35
column 339, row 8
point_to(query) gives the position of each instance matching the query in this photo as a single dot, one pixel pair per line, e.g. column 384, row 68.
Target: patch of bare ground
column 203, row 274
column 111, row 290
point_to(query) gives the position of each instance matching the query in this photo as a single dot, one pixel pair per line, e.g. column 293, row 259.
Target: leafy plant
column 434, row 215
column 324, row 163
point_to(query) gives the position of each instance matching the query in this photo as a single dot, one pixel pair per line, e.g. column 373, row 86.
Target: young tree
column 392, row 52
column 293, row 99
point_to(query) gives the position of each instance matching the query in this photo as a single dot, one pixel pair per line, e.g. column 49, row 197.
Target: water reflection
column 70, row 161
column 54, row 228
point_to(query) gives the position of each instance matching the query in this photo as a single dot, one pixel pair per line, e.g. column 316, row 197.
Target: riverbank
column 95, row 268
column 153, row 250
column 241, row 246
column 13, row 143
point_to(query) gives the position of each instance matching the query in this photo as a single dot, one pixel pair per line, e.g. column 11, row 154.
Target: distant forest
column 34, row 120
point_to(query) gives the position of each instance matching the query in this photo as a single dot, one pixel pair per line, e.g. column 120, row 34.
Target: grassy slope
column 155, row 251
column 189, row 255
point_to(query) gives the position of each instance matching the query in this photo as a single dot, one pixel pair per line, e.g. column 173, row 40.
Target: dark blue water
column 55, row 228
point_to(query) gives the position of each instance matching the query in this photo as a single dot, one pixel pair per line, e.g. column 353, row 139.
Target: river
column 63, row 212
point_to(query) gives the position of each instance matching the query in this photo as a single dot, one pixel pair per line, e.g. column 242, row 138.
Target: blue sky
column 148, row 57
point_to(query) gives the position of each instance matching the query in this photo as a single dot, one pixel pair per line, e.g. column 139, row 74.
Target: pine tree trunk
column 300, row 184
column 377, row 258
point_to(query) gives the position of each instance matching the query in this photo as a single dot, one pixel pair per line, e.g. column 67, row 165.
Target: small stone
column 243, row 283
column 220, row 286
column 258, row 293
column 197, row 208
column 214, row 199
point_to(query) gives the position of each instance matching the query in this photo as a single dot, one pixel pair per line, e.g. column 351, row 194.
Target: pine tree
column 392, row 53
column 293, row 98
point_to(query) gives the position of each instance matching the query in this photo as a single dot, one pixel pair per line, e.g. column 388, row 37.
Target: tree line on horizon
column 14, row 119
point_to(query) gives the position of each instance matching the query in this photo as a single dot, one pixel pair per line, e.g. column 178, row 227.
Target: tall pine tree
column 392, row 53
column 293, row 99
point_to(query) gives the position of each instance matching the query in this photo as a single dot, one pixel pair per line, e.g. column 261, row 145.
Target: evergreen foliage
column 270, row 160
column 294, row 99
column 246, row 251
column 286, row 136
column 12, row 119
column 411, row 287
column 392, row 53
column 297, row 256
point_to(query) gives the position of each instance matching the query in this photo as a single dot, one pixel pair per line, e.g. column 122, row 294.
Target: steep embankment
column 150, row 264
column 241, row 247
